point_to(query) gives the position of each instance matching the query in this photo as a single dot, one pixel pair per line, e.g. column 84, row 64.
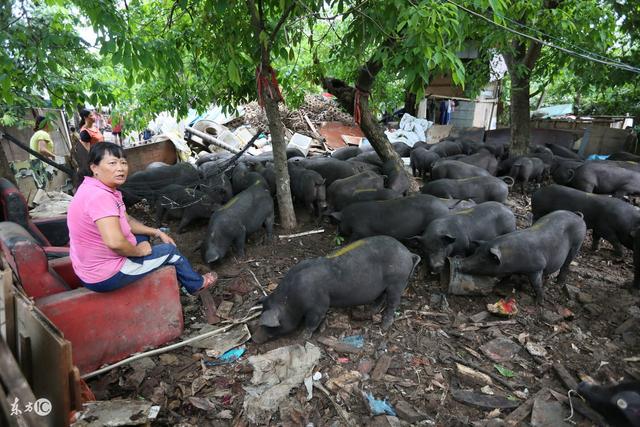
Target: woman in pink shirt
column 108, row 248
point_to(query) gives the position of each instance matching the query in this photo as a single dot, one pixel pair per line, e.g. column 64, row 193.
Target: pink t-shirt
column 92, row 260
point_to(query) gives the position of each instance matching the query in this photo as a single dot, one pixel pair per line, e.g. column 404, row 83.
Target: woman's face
column 91, row 118
column 111, row 171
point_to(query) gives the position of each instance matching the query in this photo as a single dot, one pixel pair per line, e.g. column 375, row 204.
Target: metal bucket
column 464, row 284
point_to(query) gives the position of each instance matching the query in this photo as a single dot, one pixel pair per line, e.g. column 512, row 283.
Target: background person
column 41, row 140
column 108, row 248
column 89, row 132
column 116, row 127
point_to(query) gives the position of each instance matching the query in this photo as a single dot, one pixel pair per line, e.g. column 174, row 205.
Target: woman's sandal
column 210, row 279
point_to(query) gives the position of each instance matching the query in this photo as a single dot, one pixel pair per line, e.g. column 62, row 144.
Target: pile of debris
column 316, row 108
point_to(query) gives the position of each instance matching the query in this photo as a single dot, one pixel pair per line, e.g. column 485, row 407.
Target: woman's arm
column 42, row 149
column 139, row 228
column 109, row 228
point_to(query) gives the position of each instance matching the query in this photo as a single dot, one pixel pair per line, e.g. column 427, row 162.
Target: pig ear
column 496, row 253
column 270, row 319
column 571, row 173
column 449, row 238
column 475, row 244
column 416, row 240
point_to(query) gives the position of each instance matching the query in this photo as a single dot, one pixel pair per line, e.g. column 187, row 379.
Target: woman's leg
column 164, row 254
column 136, row 267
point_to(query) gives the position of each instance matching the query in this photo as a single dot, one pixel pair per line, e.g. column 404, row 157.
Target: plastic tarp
column 214, row 114
column 165, row 126
column 553, row 111
column 412, row 130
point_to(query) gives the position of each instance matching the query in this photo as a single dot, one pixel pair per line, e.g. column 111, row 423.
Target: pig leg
column 160, row 213
column 268, row 224
column 394, row 292
column 378, row 304
column 617, row 248
column 595, row 241
column 185, row 220
column 536, row 280
column 564, row 270
column 238, row 243
column 313, row 318
column 414, row 170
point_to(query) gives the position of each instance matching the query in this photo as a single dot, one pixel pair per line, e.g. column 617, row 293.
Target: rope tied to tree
column 357, row 109
column 266, row 78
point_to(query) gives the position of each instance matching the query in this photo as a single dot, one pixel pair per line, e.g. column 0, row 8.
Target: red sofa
column 103, row 327
column 13, row 207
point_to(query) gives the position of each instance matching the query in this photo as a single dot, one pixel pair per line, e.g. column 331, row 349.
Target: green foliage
column 43, row 57
column 505, row 372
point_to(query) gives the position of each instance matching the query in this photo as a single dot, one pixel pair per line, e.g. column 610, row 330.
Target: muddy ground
column 589, row 328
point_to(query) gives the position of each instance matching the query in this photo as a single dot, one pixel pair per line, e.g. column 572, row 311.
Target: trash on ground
column 116, row 413
column 377, row 406
column 202, row 403
column 500, row 349
column 548, row 413
column 346, row 381
column 535, row 349
column 505, row 308
column 228, row 357
column 338, row 346
column 484, row 401
column 472, row 375
column 221, row 343
column 356, row 341
column 274, row 375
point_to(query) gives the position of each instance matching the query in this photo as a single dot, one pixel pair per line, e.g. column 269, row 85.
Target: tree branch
column 531, row 55
column 281, row 21
column 255, row 19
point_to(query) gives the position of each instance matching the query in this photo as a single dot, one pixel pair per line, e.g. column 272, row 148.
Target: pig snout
column 436, row 264
column 211, row 255
column 260, row 335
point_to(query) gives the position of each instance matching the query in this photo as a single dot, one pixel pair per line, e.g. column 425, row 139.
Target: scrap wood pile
column 316, row 107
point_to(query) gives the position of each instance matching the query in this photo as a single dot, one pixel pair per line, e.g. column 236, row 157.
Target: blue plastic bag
column 379, row 407
column 356, row 341
column 228, row 357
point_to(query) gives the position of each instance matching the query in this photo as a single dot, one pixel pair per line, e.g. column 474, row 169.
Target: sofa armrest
column 62, row 266
column 110, row 326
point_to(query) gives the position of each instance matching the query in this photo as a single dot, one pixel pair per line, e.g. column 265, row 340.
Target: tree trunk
column 410, row 103
column 5, row 169
column 346, row 96
column 279, row 145
column 520, row 114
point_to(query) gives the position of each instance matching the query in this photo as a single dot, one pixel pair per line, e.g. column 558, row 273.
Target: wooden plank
column 18, row 393
column 521, row 412
column 8, row 307
column 140, row 156
column 46, row 355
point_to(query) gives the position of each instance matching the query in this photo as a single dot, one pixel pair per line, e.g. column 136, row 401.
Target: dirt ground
column 589, row 328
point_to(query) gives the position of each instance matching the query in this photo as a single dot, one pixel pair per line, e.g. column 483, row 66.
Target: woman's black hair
column 84, row 113
column 41, row 122
column 98, row 151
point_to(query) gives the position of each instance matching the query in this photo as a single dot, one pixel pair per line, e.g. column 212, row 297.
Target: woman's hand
column 143, row 248
column 165, row 237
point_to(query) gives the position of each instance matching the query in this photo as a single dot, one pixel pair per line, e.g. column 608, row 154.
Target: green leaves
column 507, row 373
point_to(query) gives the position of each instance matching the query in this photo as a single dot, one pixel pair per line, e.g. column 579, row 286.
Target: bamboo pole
column 212, row 139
